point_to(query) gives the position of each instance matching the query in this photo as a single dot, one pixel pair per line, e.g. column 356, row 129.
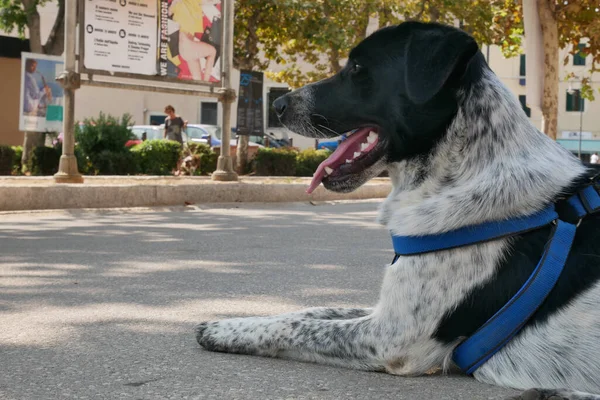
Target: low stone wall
column 107, row 192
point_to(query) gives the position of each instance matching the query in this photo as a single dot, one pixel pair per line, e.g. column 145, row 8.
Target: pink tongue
column 338, row 157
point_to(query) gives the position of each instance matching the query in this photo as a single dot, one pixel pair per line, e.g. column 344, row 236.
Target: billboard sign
column 121, row 36
column 174, row 39
column 41, row 105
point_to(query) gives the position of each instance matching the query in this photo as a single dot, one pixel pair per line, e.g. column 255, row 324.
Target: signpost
column 250, row 104
column 168, row 46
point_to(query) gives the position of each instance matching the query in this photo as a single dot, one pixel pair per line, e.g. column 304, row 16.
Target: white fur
column 521, row 175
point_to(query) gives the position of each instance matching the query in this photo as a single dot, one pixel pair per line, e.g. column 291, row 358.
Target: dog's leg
column 330, row 313
column 554, row 394
column 355, row 343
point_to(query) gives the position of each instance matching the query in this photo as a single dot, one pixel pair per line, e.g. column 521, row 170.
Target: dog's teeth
column 371, row 139
column 372, row 134
column 364, row 146
column 356, row 154
column 348, row 161
column 328, row 170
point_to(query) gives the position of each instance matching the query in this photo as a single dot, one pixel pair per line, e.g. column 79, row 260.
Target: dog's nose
column 280, row 105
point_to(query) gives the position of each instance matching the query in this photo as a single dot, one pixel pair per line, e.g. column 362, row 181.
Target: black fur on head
column 402, row 80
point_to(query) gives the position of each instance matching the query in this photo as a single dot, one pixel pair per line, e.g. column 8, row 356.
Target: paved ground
column 102, row 304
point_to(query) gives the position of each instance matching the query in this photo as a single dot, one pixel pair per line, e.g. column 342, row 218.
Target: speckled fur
column 491, row 164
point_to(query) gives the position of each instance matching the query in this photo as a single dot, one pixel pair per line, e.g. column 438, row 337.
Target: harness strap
column 509, row 320
column 586, row 201
column 413, row 245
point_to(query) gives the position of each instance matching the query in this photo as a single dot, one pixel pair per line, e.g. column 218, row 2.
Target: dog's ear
column 432, row 56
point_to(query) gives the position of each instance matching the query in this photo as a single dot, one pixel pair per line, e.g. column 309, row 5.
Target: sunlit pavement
column 102, row 304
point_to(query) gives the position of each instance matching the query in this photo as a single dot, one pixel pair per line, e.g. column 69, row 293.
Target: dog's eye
column 354, row 68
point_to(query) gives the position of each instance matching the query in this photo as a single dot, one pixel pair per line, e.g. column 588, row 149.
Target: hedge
column 288, row 161
column 17, row 166
column 275, row 162
column 308, row 160
column 157, row 157
column 7, row 156
column 44, row 161
column 116, row 163
column 101, row 145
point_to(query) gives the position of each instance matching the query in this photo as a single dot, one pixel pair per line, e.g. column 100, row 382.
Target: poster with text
column 190, row 40
column 250, row 104
column 41, row 105
column 121, row 35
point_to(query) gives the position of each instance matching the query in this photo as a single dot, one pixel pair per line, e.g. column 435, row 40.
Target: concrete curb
column 43, row 194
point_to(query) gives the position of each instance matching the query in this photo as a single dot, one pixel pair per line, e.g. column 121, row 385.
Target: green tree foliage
column 17, row 15
column 322, row 32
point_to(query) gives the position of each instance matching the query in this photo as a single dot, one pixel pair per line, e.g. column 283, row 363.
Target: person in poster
column 193, row 43
column 37, row 93
column 41, row 102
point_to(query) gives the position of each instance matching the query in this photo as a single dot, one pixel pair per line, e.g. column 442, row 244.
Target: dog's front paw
column 207, row 337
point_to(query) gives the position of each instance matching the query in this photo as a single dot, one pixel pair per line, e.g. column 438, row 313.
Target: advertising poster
column 41, row 106
column 190, row 40
column 250, row 104
column 121, row 35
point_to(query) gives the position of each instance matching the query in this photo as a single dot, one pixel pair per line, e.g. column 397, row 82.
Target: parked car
column 331, row 144
column 200, row 133
column 192, row 133
column 145, row 132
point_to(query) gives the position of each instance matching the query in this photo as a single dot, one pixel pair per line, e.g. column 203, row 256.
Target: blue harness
column 509, row 320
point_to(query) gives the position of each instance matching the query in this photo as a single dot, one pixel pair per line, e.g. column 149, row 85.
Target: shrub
column 7, row 156
column 308, row 160
column 84, row 164
column 44, row 161
column 103, row 133
column 157, row 157
column 17, row 166
column 275, row 162
column 101, row 145
column 208, row 163
column 115, row 163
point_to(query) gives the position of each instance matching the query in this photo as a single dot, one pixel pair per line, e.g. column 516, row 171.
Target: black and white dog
column 421, row 103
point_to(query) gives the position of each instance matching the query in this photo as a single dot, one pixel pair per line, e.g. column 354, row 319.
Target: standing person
column 594, row 159
column 174, row 124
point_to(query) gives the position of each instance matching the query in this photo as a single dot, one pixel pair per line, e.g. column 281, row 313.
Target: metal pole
column 70, row 81
column 225, row 170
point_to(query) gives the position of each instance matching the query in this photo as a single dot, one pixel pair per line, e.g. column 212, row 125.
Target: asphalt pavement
column 101, row 304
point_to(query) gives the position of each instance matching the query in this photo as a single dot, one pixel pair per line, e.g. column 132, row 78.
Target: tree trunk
column 31, row 141
column 550, row 92
column 242, row 153
column 55, row 45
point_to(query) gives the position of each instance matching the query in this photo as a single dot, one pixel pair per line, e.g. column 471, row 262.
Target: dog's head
column 394, row 100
